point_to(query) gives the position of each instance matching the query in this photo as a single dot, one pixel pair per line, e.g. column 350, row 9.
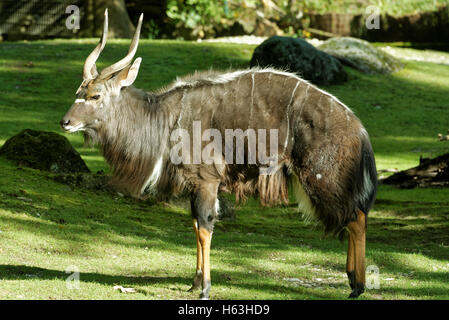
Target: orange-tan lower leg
column 205, row 240
column 199, row 259
column 350, row 261
column 357, row 231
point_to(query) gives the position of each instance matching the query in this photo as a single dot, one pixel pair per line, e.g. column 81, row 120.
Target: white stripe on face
column 78, row 127
column 80, row 100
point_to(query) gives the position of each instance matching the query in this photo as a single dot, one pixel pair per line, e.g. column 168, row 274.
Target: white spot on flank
column 154, row 177
column 319, row 176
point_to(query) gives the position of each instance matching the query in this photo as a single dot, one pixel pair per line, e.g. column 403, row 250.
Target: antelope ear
column 127, row 76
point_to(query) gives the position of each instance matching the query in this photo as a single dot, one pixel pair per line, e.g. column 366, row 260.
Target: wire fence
column 36, row 18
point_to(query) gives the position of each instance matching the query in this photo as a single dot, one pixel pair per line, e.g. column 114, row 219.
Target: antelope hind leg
column 350, row 261
column 357, row 232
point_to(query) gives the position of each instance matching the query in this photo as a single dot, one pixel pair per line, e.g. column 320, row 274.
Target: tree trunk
column 120, row 25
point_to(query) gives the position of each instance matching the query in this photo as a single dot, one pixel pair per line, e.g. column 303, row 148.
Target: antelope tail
column 367, row 179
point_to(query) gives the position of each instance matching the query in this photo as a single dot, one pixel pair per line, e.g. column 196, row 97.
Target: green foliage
column 152, row 29
column 192, row 19
column 392, row 7
column 192, row 13
column 403, row 7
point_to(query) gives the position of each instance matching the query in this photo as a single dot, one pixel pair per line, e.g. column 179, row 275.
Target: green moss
column 43, row 150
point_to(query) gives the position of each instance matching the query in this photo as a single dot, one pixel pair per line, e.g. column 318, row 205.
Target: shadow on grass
column 145, row 223
column 22, row 272
column 227, row 279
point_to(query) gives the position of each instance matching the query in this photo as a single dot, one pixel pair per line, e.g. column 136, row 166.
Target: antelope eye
column 95, row 97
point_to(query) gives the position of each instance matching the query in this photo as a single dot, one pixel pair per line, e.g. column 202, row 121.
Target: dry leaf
column 25, row 199
column 125, row 290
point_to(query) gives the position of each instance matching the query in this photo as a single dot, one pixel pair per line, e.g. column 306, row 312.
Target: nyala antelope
column 324, row 151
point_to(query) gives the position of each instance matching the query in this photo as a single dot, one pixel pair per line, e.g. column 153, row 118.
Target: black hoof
column 193, row 288
column 205, row 292
column 196, row 281
column 351, row 277
column 357, row 290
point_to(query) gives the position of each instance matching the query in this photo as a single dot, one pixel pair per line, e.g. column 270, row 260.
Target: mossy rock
column 361, row 55
column 43, row 150
column 227, row 209
column 298, row 56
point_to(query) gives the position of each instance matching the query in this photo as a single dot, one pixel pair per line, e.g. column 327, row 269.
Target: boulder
column 227, row 209
column 43, row 150
column 298, row 56
column 361, row 55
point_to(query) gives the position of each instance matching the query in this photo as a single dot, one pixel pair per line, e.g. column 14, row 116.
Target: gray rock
column 361, row 55
column 226, row 211
column 43, row 150
column 298, row 56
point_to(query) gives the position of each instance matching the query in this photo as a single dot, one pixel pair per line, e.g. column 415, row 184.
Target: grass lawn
column 47, row 228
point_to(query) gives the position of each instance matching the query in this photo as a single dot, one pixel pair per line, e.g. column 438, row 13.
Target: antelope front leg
column 357, row 233
column 199, row 259
column 205, row 239
column 204, row 215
